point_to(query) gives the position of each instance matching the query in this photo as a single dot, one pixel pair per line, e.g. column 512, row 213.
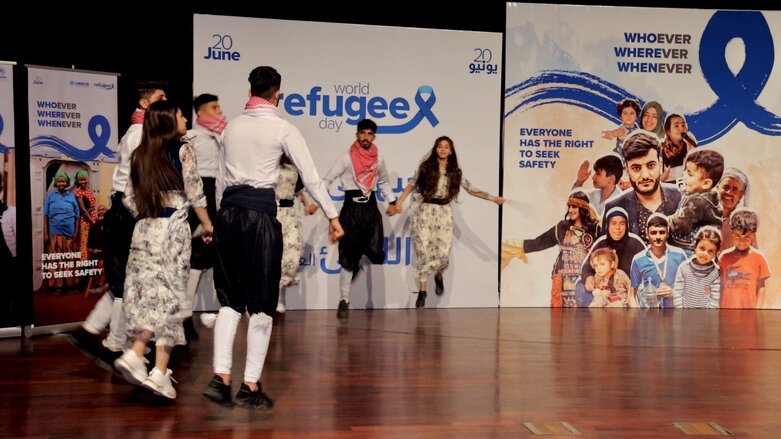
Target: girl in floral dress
column 289, row 185
column 163, row 185
column 437, row 181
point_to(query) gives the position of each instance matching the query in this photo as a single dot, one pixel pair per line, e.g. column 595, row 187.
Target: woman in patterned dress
column 163, row 185
column 437, row 181
column 574, row 235
column 289, row 185
column 88, row 217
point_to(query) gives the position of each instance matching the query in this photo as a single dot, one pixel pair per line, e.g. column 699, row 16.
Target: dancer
column 289, row 185
column 163, row 184
column 207, row 142
column 359, row 170
column 438, row 181
column 119, row 224
column 248, row 236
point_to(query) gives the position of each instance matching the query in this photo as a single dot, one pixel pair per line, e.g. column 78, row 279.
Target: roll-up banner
column 73, row 140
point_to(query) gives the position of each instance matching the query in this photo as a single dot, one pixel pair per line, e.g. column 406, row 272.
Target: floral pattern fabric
column 432, row 230
column 88, row 198
column 155, row 296
column 291, row 220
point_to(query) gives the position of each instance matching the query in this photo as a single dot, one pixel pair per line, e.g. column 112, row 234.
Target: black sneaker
column 190, row 334
column 85, row 341
column 421, row 302
column 439, row 284
column 254, row 400
column 218, row 391
column 343, row 312
column 106, row 358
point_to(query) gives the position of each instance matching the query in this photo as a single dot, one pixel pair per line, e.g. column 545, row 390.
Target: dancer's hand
column 335, row 230
column 208, row 230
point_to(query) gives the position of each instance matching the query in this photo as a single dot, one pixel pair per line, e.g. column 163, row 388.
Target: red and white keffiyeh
column 365, row 165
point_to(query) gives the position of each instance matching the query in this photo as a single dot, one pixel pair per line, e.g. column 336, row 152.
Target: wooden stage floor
column 433, row 373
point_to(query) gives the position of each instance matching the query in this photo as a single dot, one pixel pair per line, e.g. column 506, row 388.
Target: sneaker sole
column 248, row 405
column 217, row 399
column 152, row 387
column 127, row 373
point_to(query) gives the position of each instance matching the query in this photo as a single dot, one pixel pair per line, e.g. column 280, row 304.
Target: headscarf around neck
column 215, row 123
column 137, row 117
column 256, row 105
column 365, row 165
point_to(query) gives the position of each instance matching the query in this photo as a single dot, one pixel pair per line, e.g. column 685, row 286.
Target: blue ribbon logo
column 424, row 110
column 737, row 94
column 99, row 131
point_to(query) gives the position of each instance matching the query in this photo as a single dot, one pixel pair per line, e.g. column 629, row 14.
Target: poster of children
column 655, row 138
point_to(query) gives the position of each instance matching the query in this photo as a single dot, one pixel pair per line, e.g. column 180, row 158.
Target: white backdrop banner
column 6, row 107
column 72, row 114
column 417, row 85
column 567, row 69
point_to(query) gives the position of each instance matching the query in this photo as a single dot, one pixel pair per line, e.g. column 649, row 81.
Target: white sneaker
column 160, row 383
column 132, row 367
column 147, row 349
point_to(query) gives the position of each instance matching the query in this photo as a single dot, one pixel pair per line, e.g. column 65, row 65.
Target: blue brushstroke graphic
column 99, row 139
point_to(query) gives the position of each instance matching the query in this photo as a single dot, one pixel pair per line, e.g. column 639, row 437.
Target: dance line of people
column 238, row 180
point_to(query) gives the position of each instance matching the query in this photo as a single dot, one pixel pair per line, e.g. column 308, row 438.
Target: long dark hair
column 428, row 172
column 151, row 169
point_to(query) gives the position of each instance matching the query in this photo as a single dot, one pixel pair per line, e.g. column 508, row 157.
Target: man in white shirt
column 207, row 141
column 248, row 237
column 359, row 171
